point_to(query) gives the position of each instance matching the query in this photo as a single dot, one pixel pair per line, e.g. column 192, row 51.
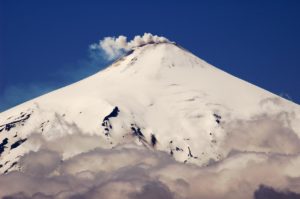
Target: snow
column 160, row 88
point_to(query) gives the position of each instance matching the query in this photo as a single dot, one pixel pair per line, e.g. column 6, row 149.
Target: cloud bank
column 114, row 47
column 255, row 167
column 137, row 173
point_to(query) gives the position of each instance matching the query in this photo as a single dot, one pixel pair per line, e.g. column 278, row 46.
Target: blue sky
column 44, row 44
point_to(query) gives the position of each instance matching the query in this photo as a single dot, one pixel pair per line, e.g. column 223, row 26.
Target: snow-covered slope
column 159, row 96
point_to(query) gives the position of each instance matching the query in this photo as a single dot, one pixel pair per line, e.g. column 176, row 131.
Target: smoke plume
column 114, row 47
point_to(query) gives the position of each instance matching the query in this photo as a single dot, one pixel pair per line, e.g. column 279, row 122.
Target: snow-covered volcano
column 158, row 96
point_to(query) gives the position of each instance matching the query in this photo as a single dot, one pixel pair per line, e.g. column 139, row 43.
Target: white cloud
column 128, row 171
column 114, row 47
column 58, row 170
column 262, row 133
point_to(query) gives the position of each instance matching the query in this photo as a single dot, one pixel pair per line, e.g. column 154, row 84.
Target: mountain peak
column 158, row 57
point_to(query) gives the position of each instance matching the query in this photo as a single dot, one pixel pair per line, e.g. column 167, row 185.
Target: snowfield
column 157, row 123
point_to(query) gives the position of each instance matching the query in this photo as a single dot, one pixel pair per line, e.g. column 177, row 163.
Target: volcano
column 159, row 97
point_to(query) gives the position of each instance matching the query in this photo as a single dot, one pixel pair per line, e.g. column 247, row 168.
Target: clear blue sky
column 44, row 44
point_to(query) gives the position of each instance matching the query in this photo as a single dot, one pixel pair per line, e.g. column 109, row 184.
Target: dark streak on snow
column 2, row 145
column 106, row 123
column 178, row 149
column 17, row 143
column 190, row 153
column 217, row 118
column 136, row 131
column 11, row 166
column 171, row 152
column 11, row 125
column 153, row 140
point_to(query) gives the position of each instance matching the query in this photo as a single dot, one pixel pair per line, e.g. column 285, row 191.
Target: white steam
column 114, row 47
